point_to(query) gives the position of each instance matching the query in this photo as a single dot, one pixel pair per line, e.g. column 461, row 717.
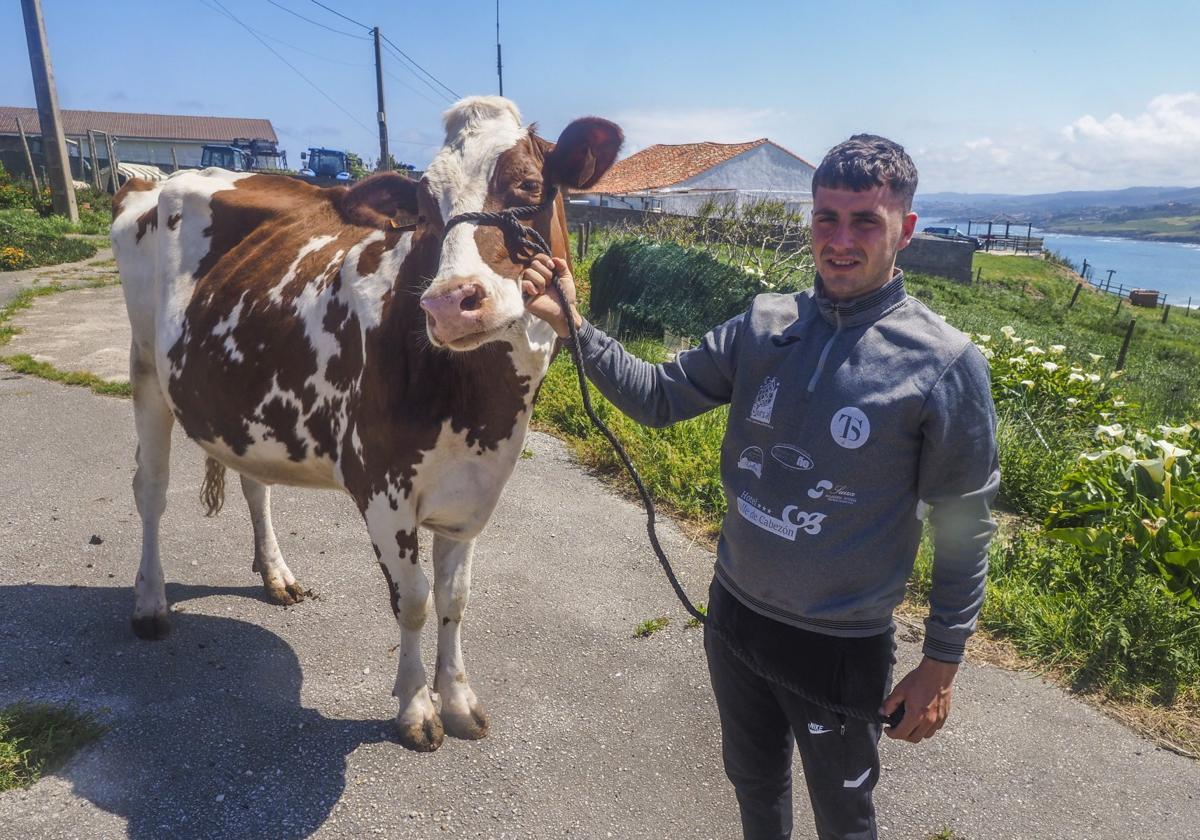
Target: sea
column 1172, row 268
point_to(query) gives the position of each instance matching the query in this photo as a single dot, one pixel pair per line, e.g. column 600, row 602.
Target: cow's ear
column 584, row 151
column 385, row 201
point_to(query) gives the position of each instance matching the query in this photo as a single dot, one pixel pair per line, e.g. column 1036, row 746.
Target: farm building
column 680, row 178
column 140, row 138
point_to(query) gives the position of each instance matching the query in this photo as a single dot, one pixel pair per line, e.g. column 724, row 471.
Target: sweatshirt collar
column 860, row 310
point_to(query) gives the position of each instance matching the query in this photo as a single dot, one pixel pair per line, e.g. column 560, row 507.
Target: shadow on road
column 208, row 734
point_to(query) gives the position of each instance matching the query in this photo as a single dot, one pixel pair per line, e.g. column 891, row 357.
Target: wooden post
column 54, row 144
column 37, row 190
column 978, row 274
column 174, row 160
column 1083, row 271
column 1188, row 313
column 1166, row 312
column 1125, row 344
column 91, row 135
column 1078, row 287
column 579, row 242
column 1117, row 311
column 112, row 163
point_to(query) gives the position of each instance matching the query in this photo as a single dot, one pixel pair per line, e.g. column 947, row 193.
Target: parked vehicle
column 244, row 155
column 953, row 233
column 325, row 165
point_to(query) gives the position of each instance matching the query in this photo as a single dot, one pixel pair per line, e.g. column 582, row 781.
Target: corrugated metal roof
column 142, row 126
column 663, row 165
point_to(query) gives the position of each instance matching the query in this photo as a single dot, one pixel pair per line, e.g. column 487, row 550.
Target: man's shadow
column 207, row 738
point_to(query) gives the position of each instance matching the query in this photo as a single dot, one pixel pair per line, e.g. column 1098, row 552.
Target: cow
column 345, row 338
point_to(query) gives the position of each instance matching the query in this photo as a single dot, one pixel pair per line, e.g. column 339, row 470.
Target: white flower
column 1116, row 374
column 1028, row 383
column 988, row 353
column 1119, row 403
column 1170, row 451
column 984, row 339
column 1126, row 452
column 1104, row 415
column 1076, row 377
column 1016, row 339
column 1096, row 359
column 1095, row 456
column 1175, row 430
column 1154, row 467
column 1072, row 402
column 1093, row 378
column 1057, row 349
column 1049, row 367
column 1116, row 431
column 1017, row 361
column 1028, row 341
column 1035, row 351
column 1008, row 331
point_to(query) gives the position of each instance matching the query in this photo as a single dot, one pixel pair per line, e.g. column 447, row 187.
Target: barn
column 140, row 138
column 679, row 178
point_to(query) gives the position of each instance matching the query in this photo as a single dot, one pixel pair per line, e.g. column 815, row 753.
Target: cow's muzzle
column 457, row 313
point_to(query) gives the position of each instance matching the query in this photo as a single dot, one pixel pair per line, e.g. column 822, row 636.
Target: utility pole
column 499, row 63
column 383, row 144
column 54, row 144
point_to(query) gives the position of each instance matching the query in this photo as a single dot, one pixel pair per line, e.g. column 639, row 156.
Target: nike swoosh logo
column 817, row 729
column 853, row 783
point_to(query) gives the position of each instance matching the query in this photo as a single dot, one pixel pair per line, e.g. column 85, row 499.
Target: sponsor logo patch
column 792, row 457
column 850, row 427
column 764, row 401
column 836, row 493
column 790, row 522
column 751, row 460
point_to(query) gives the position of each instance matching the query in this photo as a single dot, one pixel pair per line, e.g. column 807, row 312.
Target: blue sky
column 1014, row 97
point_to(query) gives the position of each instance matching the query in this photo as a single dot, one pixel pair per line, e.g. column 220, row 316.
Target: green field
column 1163, row 228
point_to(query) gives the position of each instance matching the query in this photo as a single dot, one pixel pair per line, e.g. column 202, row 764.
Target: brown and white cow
column 340, row 338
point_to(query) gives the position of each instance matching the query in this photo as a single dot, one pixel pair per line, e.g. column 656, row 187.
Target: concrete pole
column 384, row 163
column 54, row 144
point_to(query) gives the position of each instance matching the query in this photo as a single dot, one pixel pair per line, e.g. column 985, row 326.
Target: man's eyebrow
column 865, row 214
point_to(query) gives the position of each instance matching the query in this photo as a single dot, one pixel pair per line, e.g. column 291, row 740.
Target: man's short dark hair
column 866, row 161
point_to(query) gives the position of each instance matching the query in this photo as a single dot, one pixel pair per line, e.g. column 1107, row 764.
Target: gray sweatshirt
column 842, row 418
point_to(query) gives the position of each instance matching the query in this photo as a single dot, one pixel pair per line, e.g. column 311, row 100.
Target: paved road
column 253, row 720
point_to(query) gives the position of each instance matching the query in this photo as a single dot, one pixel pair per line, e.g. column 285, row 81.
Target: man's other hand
column 542, row 300
column 925, row 693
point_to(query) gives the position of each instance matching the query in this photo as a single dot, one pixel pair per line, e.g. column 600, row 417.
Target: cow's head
column 489, row 163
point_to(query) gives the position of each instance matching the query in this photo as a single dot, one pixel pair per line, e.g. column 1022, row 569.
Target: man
column 852, row 408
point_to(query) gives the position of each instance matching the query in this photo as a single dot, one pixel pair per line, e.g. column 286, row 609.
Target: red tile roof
column 141, row 126
column 663, row 165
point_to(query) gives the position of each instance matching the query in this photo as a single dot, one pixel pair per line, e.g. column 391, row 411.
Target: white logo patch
column 817, row 729
column 787, row 525
column 836, row 493
column 850, row 427
column 764, row 401
column 751, row 460
column 792, row 457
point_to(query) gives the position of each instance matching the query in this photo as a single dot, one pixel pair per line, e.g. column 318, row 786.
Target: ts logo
column 850, row 428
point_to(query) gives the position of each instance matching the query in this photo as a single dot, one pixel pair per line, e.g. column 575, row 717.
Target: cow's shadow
column 208, row 736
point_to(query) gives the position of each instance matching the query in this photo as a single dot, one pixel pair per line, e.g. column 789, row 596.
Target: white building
column 679, row 178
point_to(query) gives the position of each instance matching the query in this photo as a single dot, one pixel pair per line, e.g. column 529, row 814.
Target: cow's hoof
column 470, row 726
column 151, row 627
column 292, row 593
column 423, row 736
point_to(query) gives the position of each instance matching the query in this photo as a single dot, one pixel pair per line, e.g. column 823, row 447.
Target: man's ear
column 386, row 201
column 584, row 152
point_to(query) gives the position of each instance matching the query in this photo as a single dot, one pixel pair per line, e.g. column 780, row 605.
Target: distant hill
column 1042, row 206
column 1170, row 214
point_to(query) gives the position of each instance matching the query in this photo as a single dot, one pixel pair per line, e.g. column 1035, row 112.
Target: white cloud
column 1158, row 147
column 645, row 127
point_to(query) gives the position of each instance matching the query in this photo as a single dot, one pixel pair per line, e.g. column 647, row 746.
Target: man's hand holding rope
column 541, row 299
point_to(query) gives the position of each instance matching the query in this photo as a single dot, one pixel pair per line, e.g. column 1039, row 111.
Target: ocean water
column 1172, row 268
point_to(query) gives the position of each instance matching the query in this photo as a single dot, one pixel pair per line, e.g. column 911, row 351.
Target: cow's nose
column 457, row 312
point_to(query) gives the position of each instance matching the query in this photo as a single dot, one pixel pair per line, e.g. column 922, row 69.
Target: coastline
column 1178, row 238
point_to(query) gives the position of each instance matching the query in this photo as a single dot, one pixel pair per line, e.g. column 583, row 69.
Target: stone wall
column 939, row 257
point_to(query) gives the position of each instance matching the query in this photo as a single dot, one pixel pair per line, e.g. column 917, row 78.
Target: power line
column 342, row 16
column 422, row 80
column 295, row 70
column 314, row 22
column 413, row 89
column 418, row 66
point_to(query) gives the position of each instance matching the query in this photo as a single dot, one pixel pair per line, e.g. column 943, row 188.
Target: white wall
column 764, row 167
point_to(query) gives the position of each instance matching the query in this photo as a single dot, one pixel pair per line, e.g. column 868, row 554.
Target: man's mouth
column 841, row 262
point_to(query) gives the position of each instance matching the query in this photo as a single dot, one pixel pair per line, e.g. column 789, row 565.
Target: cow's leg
column 462, row 713
column 418, row 723
column 153, row 419
column 278, row 579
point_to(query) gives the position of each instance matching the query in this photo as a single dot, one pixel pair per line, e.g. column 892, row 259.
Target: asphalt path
column 253, row 720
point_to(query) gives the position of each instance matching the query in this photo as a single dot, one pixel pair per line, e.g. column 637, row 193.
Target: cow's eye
column 529, row 185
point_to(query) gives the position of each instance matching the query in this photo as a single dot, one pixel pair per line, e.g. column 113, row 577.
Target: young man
column 852, row 408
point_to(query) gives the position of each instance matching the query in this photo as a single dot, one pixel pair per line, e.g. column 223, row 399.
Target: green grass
column 36, row 739
column 1170, row 228
column 43, row 240
column 651, row 626
column 22, row 363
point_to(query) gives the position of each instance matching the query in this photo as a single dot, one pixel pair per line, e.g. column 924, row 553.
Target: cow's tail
column 212, row 492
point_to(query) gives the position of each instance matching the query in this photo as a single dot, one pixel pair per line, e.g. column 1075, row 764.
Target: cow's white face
column 490, row 162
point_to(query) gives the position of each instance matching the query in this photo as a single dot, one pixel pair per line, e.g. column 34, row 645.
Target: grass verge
column 22, row 363
column 36, row 739
column 28, row 240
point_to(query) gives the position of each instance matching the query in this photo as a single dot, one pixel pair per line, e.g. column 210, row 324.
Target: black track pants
column 761, row 722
